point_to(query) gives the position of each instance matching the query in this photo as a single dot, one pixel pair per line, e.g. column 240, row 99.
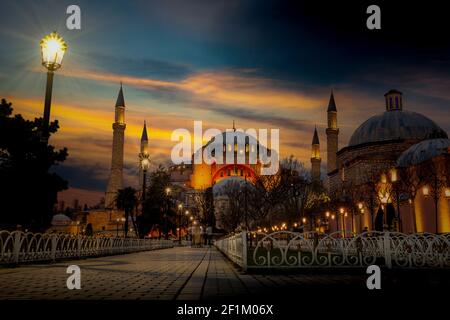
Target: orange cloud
column 225, row 87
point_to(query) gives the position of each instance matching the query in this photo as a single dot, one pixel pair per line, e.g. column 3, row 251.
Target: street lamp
column 180, row 210
column 53, row 48
column 168, row 190
column 123, row 221
column 426, row 191
column 447, row 193
column 145, row 164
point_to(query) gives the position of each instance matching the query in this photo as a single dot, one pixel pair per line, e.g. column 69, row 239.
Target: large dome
column 393, row 125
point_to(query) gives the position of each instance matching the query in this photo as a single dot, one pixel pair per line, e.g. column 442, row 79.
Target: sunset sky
column 264, row 64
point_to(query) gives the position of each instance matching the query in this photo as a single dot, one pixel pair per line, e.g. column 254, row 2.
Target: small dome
column 393, row 125
column 423, row 151
column 61, row 220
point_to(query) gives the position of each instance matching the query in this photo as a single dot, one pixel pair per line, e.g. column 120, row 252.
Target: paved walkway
column 169, row 274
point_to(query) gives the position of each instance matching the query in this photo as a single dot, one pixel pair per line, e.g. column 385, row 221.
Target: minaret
column 315, row 157
column 332, row 135
column 144, row 153
column 116, row 176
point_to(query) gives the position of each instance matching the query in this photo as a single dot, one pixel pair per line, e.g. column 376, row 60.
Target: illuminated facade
column 204, row 175
column 377, row 147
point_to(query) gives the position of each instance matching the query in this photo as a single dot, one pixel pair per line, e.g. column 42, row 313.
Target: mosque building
column 388, row 163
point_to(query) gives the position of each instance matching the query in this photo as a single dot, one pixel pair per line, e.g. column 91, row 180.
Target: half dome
column 423, row 151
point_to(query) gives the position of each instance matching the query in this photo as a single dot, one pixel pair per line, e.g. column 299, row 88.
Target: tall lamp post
column 145, row 164
column 186, row 224
column 168, row 191
column 53, row 47
column 180, row 210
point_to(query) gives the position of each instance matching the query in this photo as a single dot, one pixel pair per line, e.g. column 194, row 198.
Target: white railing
column 18, row 247
column 287, row 249
column 235, row 248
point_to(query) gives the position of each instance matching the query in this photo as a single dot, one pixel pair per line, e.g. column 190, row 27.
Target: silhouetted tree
column 157, row 211
column 379, row 220
column 234, row 214
column 28, row 188
column 204, row 202
column 390, row 215
column 127, row 200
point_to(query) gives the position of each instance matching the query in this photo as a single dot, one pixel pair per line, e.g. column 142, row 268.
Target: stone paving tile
column 178, row 273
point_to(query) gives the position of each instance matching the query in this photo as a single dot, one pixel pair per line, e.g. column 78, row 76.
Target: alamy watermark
column 235, row 146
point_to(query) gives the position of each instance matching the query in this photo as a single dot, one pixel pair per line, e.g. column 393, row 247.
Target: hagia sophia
column 394, row 141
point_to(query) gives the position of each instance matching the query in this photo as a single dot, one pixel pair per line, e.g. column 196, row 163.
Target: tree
column 28, row 187
column 232, row 217
column 204, row 202
column 261, row 199
column 369, row 192
column 127, row 200
column 157, row 211
column 434, row 176
column 316, row 202
column 379, row 220
column 413, row 178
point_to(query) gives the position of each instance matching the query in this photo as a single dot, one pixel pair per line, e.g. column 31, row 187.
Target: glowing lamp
column 327, row 214
column 53, row 48
column 393, row 175
column 145, row 163
column 447, row 192
column 426, row 191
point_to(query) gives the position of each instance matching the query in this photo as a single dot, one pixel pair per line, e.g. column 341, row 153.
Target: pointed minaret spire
column 144, row 136
column 315, row 136
column 315, row 157
column 120, row 102
column 331, row 104
column 332, row 135
column 234, row 127
column 143, row 155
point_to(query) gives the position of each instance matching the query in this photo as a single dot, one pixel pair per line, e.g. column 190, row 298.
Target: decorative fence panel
column 17, row 246
column 287, row 249
column 235, row 248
